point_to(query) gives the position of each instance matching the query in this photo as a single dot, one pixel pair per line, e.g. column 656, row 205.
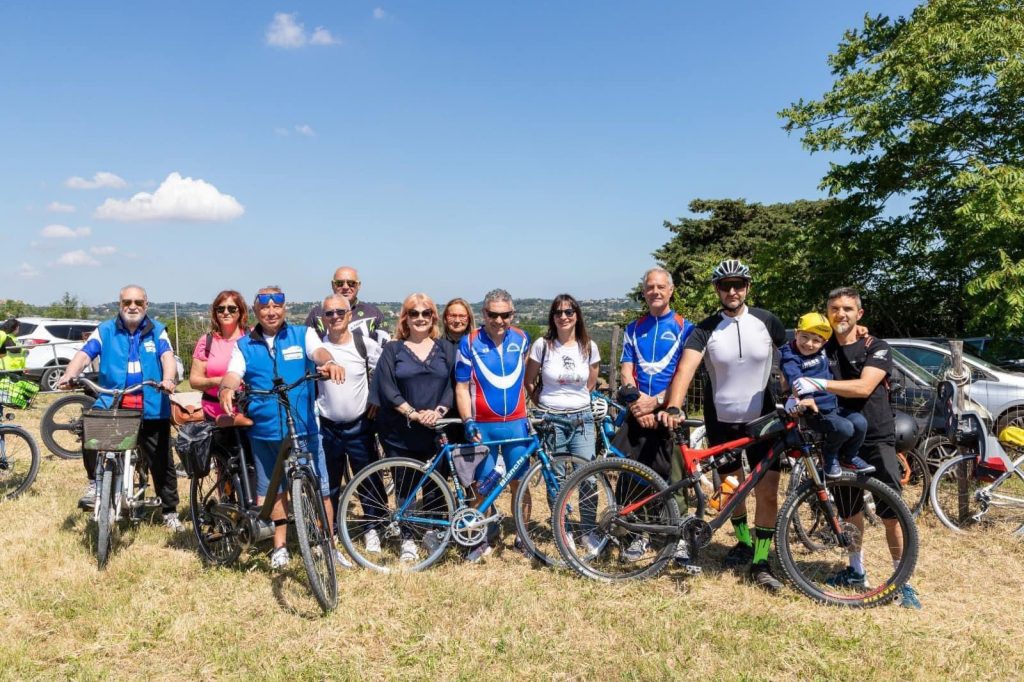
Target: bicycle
column 120, row 484
column 227, row 519
column 640, row 525
column 376, row 518
column 19, row 454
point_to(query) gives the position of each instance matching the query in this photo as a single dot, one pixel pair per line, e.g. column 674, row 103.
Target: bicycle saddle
column 227, row 421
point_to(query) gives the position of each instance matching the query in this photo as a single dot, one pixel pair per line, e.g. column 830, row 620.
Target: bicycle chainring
column 468, row 528
column 697, row 532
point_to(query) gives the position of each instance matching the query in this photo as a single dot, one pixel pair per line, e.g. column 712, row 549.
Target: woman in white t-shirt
column 560, row 373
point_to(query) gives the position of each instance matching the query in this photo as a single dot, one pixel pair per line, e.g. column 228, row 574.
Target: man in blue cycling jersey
column 489, row 391
column 651, row 348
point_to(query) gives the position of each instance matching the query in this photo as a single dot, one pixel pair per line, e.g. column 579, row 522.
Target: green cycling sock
column 763, row 543
column 739, row 524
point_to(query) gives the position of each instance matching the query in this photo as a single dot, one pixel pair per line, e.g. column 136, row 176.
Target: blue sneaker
column 860, row 467
column 832, row 468
column 848, row 578
column 907, row 597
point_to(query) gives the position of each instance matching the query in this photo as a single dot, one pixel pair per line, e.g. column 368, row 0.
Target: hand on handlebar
column 647, row 421
column 671, row 421
column 168, row 386
column 473, row 431
column 332, row 371
column 227, row 400
column 795, row 405
column 427, row 417
column 66, row 381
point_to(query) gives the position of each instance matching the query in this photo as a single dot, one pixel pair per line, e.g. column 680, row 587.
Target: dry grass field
column 158, row 613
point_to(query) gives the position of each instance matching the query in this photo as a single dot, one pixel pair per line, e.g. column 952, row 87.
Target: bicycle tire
column 354, row 522
column 623, row 555
column 810, row 570
column 537, row 535
column 105, row 521
column 62, row 434
column 315, row 543
column 19, row 461
column 964, row 508
column 216, row 533
column 915, row 480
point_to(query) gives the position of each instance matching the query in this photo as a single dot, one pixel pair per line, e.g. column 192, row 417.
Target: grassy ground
column 157, row 612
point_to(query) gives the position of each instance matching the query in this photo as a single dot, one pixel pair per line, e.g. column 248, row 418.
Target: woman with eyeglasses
column 413, row 387
column 458, row 320
column 229, row 320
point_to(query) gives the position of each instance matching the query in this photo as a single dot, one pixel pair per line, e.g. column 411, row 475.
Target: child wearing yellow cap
column 844, row 430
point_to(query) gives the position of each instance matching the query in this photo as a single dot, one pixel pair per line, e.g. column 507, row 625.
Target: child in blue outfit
column 844, row 429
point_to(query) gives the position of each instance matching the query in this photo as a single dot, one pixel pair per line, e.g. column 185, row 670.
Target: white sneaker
column 409, row 553
column 430, row 542
column 477, row 554
column 682, row 560
column 372, row 540
column 341, row 559
column 636, row 549
column 173, row 523
column 593, row 543
column 88, row 499
column 279, row 558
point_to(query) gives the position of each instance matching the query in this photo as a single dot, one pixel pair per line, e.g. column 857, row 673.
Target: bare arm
column 683, row 378
column 197, row 376
column 592, row 378
column 74, row 368
column 228, row 383
column 170, row 370
column 870, row 377
column 530, row 378
column 463, row 400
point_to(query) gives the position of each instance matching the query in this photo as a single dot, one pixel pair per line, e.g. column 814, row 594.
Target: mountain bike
column 640, row 524
column 19, row 456
column 227, row 518
column 120, row 483
column 411, row 523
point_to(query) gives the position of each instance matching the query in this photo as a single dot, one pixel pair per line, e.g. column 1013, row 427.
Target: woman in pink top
column 229, row 319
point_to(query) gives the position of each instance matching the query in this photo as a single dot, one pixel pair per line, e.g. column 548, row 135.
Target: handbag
column 187, row 407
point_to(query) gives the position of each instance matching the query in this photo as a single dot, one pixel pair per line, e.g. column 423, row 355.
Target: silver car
column 997, row 390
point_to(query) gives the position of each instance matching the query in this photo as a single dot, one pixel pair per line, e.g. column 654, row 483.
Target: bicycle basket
column 17, row 393
column 111, row 430
column 766, row 426
column 467, row 458
column 193, row 445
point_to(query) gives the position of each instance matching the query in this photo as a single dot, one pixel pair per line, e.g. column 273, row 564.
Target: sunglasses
column 350, row 283
column 731, row 284
column 277, row 298
column 137, row 302
column 565, row 312
column 417, row 314
column 504, row 316
column 232, row 309
column 337, row 312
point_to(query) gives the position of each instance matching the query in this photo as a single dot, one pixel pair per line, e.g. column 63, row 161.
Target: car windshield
column 917, row 371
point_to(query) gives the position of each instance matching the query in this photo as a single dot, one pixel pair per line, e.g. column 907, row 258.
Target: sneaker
column 341, row 559
column 761, row 575
column 279, row 558
column 409, row 553
column 739, row 555
column 430, row 541
column 477, row 554
column 173, row 523
column 87, row 501
column 860, row 466
column 592, row 541
column 636, row 549
column 908, row 598
column 372, row 540
column 681, row 559
column 832, row 469
column 848, row 578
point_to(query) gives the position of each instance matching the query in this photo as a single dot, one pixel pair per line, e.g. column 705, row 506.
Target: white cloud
column 57, row 207
column 177, row 199
column 379, row 13
column 102, row 250
column 306, row 130
column 101, row 179
column 76, row 259
column 26, row 271
column 64, row 232
column 286, row 32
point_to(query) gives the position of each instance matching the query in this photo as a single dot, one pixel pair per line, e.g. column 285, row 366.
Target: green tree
column 927, row 112
column 69, row 305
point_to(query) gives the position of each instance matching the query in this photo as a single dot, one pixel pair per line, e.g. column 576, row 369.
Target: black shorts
column 887, row 470
column 720, row 432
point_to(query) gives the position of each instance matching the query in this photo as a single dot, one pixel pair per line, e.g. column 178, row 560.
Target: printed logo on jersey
column 149, row 346
column 497, row 381
column 292, row 353
column 667, row 335
column 514, row 347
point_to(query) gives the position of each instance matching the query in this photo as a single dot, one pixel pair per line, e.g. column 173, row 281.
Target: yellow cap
column 815, row 323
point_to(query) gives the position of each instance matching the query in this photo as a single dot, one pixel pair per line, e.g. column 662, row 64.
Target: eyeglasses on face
column 417, row 314
column 731, row 284
column 350, row 283
column 565, row 312
column 129, row 302
column 504, row 316
column 231, row 309
column 337, row 312
column 276, row 298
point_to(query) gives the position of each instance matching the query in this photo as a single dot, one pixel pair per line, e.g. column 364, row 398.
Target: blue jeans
column 264, row 454
column 844, row 433
column 350, row 444
column 573, row 433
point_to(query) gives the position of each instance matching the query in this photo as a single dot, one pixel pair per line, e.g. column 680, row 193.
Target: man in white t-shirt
column 346, row 432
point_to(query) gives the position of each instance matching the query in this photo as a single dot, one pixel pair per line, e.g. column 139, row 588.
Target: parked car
column 999, row 391
column 51, row 344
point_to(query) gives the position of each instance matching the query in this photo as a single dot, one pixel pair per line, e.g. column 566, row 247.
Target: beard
column 843, row 327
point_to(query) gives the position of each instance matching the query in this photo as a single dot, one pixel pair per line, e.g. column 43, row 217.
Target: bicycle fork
column 828, row 506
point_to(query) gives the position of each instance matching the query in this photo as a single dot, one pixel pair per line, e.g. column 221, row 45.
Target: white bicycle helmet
column 730, row 267
column 600, row 408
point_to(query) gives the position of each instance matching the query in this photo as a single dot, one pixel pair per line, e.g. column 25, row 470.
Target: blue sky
column 446, row 147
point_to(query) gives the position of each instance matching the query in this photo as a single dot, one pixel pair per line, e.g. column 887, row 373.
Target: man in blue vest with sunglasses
column 132, row 348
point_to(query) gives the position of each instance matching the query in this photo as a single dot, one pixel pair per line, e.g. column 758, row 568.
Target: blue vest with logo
column 115, row 344
column 288, row 361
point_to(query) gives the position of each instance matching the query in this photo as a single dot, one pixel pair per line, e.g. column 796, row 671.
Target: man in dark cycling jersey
column 739, row 347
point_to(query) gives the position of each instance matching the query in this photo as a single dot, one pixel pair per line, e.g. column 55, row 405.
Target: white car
column 51, row 344
column 997, row 390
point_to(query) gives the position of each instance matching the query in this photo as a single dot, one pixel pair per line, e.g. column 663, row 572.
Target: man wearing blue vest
column 132, row 347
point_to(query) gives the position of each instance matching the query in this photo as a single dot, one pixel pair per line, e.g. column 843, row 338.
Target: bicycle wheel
column 19, row 461
column 105, row 519
column 534, row 503
column 61, row 425
column 915, row 479
column 814, row 572
column 603, row 549
column 216, row 532
column 315, row 543
column 964, row 499
column 380, row 538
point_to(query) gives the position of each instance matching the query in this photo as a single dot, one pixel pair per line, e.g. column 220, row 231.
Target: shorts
column 511, row 454
column 264, row 454
column 887, row 470
column 720, row 432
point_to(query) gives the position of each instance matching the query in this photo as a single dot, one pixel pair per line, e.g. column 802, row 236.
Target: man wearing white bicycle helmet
column 739, row 347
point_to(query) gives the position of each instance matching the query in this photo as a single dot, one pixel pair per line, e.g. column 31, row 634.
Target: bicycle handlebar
column 281, row 387
column 93, row 386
